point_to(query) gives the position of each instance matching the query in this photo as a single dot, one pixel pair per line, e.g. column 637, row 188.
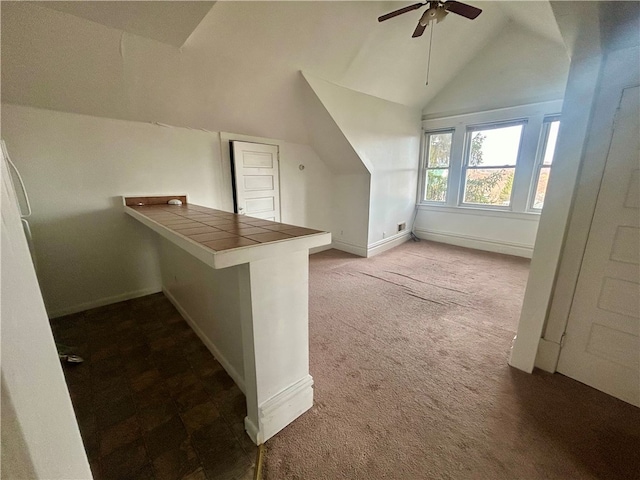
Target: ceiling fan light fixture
column 437, row 11
column 427, row 16
column 434, row 13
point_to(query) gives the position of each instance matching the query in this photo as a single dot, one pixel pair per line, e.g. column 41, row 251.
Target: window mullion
column 526, row 165
column 534, row 186
column 424, row 151
column 455, row 166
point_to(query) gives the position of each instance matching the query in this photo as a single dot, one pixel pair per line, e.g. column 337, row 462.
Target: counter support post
column 275, row 337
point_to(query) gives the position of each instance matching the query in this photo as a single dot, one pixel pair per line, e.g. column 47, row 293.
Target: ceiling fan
column 436, row 11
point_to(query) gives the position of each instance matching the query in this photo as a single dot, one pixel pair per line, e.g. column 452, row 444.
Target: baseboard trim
column 233, row 373
column 319, row 249
column 388, row 243
column 252, row 430
column 280, row 410
column 468, row 241
column 350, row 248
column 103, row 301
column 547, row 356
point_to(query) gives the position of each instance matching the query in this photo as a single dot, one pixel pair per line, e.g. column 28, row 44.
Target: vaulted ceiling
column 167, row 22
column 213, row 64
column 339, row 41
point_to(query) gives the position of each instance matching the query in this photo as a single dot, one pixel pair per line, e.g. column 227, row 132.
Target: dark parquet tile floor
column 150, row 399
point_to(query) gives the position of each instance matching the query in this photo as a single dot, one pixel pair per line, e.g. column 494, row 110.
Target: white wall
column 386, row 137
column 508, row 233
column 40, row 436
column 306, row 192
column 209, row 300
column 76, row 168
column 515, row 68
column 350, row 200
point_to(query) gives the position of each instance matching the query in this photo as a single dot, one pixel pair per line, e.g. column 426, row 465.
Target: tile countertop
column 222, row 239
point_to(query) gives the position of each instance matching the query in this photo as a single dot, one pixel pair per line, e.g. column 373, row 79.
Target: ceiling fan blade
column 419, row 30
column 400, row 11
column 463, row 9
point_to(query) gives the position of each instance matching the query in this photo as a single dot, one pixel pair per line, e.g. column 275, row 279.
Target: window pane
column 436, row 185
column 439, row 149
column 495, row 147
column 541, row 188
column 550, row 147
column 491, row 186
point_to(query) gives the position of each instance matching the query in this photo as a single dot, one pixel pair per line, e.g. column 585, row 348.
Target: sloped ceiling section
column 239, row 69
column 517, row 67
column 326, row 138
column 381, row 132
column 167, row 22
column 536, row 16
column 579, row 23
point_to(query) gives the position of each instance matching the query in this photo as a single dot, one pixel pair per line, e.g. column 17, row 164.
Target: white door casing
column 602, row 339
column 256, row 180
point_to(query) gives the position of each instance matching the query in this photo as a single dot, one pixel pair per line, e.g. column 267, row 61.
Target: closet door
column 256, row 180
column 602, row 343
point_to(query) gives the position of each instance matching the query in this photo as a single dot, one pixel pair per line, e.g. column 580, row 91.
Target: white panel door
column 602, row 345
column 256, row 180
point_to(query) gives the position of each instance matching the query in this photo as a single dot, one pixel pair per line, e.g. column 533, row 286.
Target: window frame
column 424, row 168
column 539, row 162
column 533, row 113
column 470, row 129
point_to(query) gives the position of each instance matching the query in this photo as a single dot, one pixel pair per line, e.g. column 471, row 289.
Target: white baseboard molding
column 233, row 373
column 547, row 356
column 477, row 243
column 280, row 410
column 81, row 307
column 388, row 243
column 253, row 431
column 350, row 248
column 319, row 249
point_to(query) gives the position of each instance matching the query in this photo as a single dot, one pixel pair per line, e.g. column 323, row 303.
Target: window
column 490, row 163
column 495, row 161
column 548, row 140
column 436, row 169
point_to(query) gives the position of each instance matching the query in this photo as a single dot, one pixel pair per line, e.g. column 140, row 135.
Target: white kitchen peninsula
column 242, row 284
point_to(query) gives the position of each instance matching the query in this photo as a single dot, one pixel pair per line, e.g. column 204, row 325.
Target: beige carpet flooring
column 409, row 352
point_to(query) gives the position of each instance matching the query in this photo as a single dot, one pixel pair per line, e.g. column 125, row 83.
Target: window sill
column 486, row 212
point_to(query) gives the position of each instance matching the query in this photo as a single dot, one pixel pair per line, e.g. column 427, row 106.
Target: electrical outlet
column 384, row 234
column 402, row 226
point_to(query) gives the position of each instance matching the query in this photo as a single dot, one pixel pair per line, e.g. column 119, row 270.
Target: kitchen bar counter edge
column 235, row 256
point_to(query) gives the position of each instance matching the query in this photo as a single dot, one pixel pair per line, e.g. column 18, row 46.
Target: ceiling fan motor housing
column 437, row 13
column 437, row 10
